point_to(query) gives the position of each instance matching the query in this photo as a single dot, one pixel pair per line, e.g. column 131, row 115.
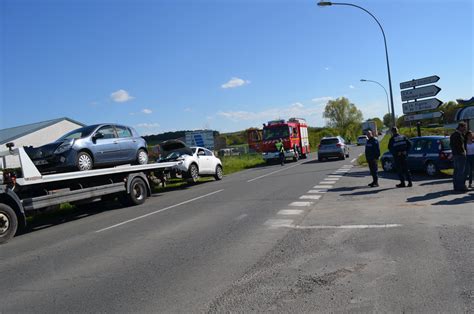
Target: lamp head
column 324, row 3
column 363, row 80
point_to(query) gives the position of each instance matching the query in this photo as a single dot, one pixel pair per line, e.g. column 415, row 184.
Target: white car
column 193, row 162
column 361, row 140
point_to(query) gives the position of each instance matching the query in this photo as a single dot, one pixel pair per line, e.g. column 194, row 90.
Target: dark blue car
column 91, row 147
column 428, row 153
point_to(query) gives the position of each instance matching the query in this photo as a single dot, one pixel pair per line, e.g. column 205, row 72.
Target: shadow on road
column 429, row 196
column 457, row 201
column 370, row 191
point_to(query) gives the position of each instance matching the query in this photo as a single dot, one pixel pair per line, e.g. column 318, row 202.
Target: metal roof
column 10, row 134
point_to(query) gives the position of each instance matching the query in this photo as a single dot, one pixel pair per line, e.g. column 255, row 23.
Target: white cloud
column 322, row 100
column 121, row 96
column 235, row 82
column 147, row 111
column 188, row 109
column 294, row 110
column 327, row 68
column 148, row 125
column 351, row 86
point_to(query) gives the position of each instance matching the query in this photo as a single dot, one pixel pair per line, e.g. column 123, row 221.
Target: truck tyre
column 8, row 223
column 219, row 173
column 137, row 195
column 193, row 173
column 84, row 161
column 142, row 157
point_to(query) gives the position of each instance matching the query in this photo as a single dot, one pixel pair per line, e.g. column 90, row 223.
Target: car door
column 415, row 155
column 105, row 146
column 127, row 143
column 204, row 160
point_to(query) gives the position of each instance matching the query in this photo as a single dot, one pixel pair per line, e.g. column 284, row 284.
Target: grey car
column 90, row 147
column 332, row 147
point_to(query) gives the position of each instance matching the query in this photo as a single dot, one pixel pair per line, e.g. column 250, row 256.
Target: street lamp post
column 386, row 94
column 328, row 3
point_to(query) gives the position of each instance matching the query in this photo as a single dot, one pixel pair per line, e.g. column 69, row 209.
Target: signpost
column 421, row 81
column 420, row 106
column 421, row 116
column 422, row 92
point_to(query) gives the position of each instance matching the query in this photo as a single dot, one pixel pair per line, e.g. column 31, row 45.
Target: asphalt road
column 218, row 246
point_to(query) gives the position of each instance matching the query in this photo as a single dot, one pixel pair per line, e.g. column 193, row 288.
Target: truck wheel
column 193, row 173
column 142, row 157
column 8, row 223
column 84, row 161
column 219, row 173
column 137, row 193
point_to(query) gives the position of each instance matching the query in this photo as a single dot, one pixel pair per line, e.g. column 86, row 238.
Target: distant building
column 35, row 134
column 203, row 138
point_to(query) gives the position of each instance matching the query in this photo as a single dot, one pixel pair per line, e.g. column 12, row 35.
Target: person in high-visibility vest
column 281, row 150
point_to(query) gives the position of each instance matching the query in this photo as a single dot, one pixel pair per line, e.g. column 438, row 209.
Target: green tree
column 387, row 120
column 344, row 116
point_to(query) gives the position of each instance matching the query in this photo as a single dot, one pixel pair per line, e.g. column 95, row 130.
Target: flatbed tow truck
column 31, row 192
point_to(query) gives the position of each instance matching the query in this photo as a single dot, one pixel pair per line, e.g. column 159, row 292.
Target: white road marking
column 347, row 166
column 327, row 182
column 360, row 154
column 310, row 197
column 266, row 175
column 241, row 217
column 290, row 212
column 348, row 226
column 160, row 210
column 318, row 191
column 322, row 186
column 334, row 176
column 275, row 223
column 353, row 160
column 301, row 204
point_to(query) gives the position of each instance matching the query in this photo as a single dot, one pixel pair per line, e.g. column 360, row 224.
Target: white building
column 35, row 134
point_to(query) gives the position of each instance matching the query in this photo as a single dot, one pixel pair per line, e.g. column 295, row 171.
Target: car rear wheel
column 142, row 157
column 84, row 161
column 219, row 173
column 387, row 165
column 431, row 168
column 8, row 223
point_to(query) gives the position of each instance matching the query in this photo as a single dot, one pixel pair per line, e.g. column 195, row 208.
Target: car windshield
column 175, row 154
column 329, row 141
column 272, row 133
column 78, row 133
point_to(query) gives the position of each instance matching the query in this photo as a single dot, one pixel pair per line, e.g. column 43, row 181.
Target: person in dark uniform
column 372, row 154
column 399, row 146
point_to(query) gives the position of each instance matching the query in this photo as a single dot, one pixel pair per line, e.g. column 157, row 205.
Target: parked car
column 193, row 161
column 428, row 153
column 362, row 140
column 332, row 147
column 89, row 147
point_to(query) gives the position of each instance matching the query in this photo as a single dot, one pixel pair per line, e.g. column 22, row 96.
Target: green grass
column 233, row 164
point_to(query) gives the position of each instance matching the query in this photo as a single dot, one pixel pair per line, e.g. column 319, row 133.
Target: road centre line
column 265, row 175
column 160, row 210
column 301, row 204
column 310, row 197
column 345, row 226
column 290, row 212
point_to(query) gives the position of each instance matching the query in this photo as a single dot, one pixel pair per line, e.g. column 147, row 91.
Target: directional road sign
column 421, row 81
column 422, row 105
column 421, row 116
column 422, row 92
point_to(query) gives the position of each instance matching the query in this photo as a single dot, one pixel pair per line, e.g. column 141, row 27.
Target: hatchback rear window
column 329, row 141
column 445, row 143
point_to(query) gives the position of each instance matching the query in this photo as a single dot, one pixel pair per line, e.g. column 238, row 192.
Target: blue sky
column 221, row 64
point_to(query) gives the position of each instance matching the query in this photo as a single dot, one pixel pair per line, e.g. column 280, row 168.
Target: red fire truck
column 254, row 139
column 294, row 134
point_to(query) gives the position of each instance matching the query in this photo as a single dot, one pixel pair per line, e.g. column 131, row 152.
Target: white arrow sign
column 421, row 116
column 421, row 81
column 422, row 92
column 422, row 105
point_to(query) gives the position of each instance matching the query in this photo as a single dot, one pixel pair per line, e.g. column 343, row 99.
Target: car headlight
column 64, row 147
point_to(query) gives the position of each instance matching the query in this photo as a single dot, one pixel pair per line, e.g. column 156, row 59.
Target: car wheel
column 142, row 157
column 431, row 168
column 343, row 156
column 193, row 173
column 219, row 173
column 387, row 165
column 84, row 161
column 8, row 223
